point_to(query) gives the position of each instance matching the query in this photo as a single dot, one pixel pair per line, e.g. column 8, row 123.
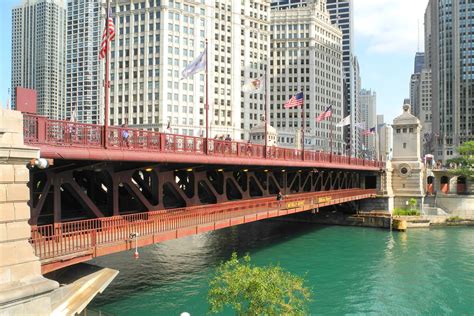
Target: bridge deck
column 69, row 243
column 77, row 141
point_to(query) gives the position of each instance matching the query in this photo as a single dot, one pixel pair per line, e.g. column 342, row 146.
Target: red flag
column 111, row 35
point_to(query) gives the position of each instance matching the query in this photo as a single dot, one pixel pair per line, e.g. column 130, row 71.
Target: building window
column 404, row 145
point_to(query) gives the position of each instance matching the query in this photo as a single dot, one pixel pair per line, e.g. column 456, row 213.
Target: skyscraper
column 415, row 93
column 341, row 14
column 154, row 42
column 84, row 76
column 451, row 56
column 368, row 108
column 419, row 62
column 415, row 83
column 352, row 133
column 306, row 56
column 425, row 114
column 38, row 55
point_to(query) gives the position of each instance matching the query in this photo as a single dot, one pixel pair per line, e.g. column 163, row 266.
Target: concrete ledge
column 84, row 282
column 14, row 291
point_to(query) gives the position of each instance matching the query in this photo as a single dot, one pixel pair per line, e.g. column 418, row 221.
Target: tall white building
column 156, row 40
column 84, row 72
column 38, row 54
column 341, row 14
column 385, row 139
column 352, row 134
column 306, row 55
column 425, row 115
column 368, row 106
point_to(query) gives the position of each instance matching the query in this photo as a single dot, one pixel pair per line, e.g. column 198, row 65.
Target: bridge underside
column 78, row 190
column 68, row 243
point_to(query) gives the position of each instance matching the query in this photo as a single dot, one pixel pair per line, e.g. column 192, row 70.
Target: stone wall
column 379, row 204
column 20, row 269
column 456, row 205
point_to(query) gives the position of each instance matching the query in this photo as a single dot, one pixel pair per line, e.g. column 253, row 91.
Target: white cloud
column 389, row 26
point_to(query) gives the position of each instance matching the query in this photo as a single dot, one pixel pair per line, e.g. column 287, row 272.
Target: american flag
column 111, row 30
column 370, row 131
column 324, row 115
column 296, row 100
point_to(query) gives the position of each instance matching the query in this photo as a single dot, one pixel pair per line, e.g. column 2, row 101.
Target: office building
column 415, row 94
column 306, row 55
column 419, row 62
column 368, row 108
column 38, row 54
column 452, row 73
column 156, row 40
column 84, row 70
column 425, row 115
column 353, row 136
column 341, row 14
column 385, row 137
column 415, row 84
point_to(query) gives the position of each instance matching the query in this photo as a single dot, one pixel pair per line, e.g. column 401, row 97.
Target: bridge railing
column 41, row 130
column 72, row 237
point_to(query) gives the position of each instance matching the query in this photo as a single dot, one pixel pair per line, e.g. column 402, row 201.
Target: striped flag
column 108, row 35
column 296, row 100
column 324, row 115
column 370, row 131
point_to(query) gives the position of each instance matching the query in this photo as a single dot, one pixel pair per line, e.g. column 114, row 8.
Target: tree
column 251, row 290
column 465, row 162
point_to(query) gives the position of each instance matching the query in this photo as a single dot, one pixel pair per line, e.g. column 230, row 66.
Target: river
column 351, row 270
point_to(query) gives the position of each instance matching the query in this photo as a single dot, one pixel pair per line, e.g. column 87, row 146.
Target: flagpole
column 330, row 138
column 302, row 129
column 207, row 100
column 266, row 109
column 106, row 83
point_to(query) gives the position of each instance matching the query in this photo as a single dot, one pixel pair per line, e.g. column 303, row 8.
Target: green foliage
column 251, row 290
column 405, row 212
column 412, row 202
column 454, row 219
column 465, row 162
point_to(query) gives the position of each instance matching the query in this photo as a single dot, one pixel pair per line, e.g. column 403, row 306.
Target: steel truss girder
column 80, row 190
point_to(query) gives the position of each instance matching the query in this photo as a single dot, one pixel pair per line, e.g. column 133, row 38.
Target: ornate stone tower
column 407, row 177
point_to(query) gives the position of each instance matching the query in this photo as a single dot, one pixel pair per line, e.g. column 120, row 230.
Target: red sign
column 25, row 100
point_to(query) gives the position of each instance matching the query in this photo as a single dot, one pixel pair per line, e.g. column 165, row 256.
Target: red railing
column 50, row 241
column 41, row 130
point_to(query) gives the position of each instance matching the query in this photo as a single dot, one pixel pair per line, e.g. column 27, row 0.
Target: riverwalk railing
column 41, row 130
column 63, row 239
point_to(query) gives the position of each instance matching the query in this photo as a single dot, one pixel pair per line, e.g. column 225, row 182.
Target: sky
column 386, row 40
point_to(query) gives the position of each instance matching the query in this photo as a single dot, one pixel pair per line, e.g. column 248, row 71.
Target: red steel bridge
column 103, row 188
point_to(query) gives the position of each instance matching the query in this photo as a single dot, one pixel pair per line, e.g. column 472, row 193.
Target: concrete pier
column 20, row 270
column 23, row 289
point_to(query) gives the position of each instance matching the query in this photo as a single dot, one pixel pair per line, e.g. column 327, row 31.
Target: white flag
column 195, row 66
column 360, row 125
column 345, row 121
column 254, row 85
column 73, row 117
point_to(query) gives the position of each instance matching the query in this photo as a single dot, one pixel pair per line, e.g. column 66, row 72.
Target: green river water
column 350, row 270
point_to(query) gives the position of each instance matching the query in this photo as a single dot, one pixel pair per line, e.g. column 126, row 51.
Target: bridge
column 101, row 188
